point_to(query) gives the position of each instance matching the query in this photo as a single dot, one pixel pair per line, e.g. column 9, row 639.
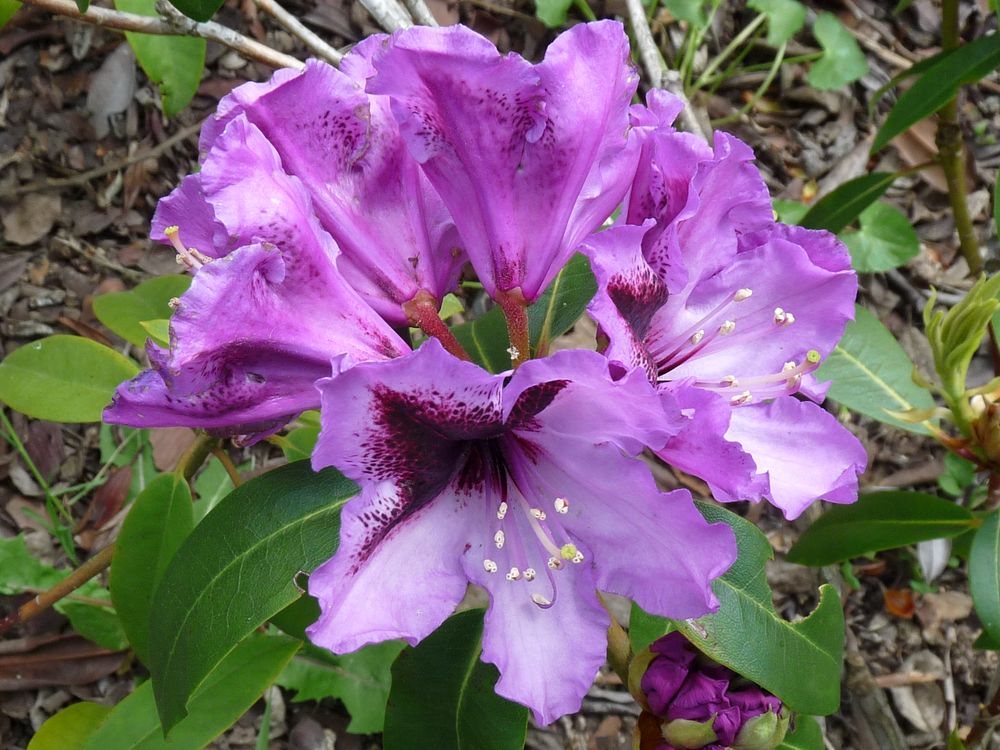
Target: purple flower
column 259, row 326
column 343, row 148
column 702, row 705
column 730, row 313
column 529, row 158
column 522, row 483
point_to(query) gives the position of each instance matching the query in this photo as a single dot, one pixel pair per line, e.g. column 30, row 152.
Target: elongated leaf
column 360, row 680
column 552, row 12
column 747, row 635
column 886, row 239
column 174, row 63
column 552, row 314
column 882, row 520
column 7, row 10
column 807, row 735
column 123, row 312
column 160, row 519
column 70, row 728
column 984, row 575
column 235, row 570
column 442, row 695
column 938, row 84
column 840, row 207
column 872, row 374
column 842, row 61
column 63, row 378
column 228, row 692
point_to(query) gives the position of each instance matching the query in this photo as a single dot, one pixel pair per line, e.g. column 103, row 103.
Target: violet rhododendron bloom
column 521, row 484
column 700, row 704
column 730, row 313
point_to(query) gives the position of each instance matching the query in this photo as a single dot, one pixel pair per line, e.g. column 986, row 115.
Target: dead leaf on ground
column 921, row 704
column 900, row 602
column 169, row 445
column 108, row 499
column 32, row 218
column 944, row 606
column 69, row 660
column 111, row 88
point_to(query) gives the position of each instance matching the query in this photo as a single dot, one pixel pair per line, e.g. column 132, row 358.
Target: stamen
column 174, row 303
column 578, row 557
column 555, row 563
column 498, row 539
column 742, row 294
column 562, row 505
column 541, row 601
column 744, row 398
column 489, row 566
column 189, row 257
column 530, row 574
column 513, row 574
column 779, row 316
column 502, row 510
column 789, row 319
column 728, row 327
column 729, row 381
column 697, row 336
column 513, row 352
column 536, row 513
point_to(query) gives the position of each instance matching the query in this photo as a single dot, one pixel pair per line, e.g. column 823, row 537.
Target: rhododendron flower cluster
column 335, row 208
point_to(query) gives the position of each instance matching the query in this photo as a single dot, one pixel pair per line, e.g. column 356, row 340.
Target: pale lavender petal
column 408, row 419
column 704, row 449
column 529, row 159
column 187, row 209
column 397, row 572
column 805, row 452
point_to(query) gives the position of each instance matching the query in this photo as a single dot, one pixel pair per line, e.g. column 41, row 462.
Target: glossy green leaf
column 813, row 646
column 694, row 12
column 298, row 444
column 236, row 570
column 7, row 10
column 552, row 314
column 806, row 736
column 174, row 63
column 882, row 520
column 871, row 374
column 211, row 485
column 984, row 575
column 886, row 239
column 840, row 207
column 228, row 692
column 443, row 696
column 98, row 624
column 123, row 312
column 784, row 18
column 361, row 680
column 985, row 642
column 939, row 84
column 790, row 212
column 70, row 728
column 159, row 520
column 842, row 61
column 954, row 741
column 552, row 12
column 158, row 330
column 63, row 378
column 199, row 10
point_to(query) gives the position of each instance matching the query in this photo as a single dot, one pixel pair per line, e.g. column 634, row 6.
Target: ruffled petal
column 529, row 159
column 408, row 419
column 703, row 449
column 187, row 208
column 397, row 572
column 805, row 452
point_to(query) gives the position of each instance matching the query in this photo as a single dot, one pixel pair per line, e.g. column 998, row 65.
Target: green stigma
column 812, row 357
column 568, row 551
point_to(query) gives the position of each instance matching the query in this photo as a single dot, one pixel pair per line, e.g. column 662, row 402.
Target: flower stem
column 422, row 312
column 515, row 310
column 228, row 465
column 951, row 151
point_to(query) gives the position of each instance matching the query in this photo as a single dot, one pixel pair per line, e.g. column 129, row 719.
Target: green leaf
column 790, row 212
column 237, row 569
column 996, row 205
column 882, row 520
column 954, row 741
column 842, row 61
column 807, row 735
column 159, row 520
column 886, row 239
column 298, row 444
column 784, row 18
column 211, row 485
column 360, row 679
column 552, row 12
column 98, row 624
column 552, row 314
column 228, row 692
column 840, row 207
column 694, row 12
column 871, row 374
column 158, row 330
column 70, row 728
column 443, row 696
column 939, row 84
column 814, row 644
column 174, row 63
column 63, row 378
column 984, row 575
column 199, row 10
column 986, row 643
column 123, row 312
column 958, row 474
column 7, row 10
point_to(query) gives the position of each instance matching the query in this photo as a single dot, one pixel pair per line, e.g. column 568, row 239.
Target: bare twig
column 389, row 14
column 172, row 24
column 421, row 13
column 659, row 75
column 297, row 29
column 85, row 177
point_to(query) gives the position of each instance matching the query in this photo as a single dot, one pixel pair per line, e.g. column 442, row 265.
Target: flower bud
column 986, row 427
column 685, row 734
column 764, row 732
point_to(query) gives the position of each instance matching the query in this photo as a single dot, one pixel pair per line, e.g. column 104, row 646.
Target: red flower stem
column 422, row 312
column 515, row 310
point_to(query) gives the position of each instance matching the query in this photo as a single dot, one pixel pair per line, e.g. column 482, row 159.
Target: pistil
column 190, row 257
